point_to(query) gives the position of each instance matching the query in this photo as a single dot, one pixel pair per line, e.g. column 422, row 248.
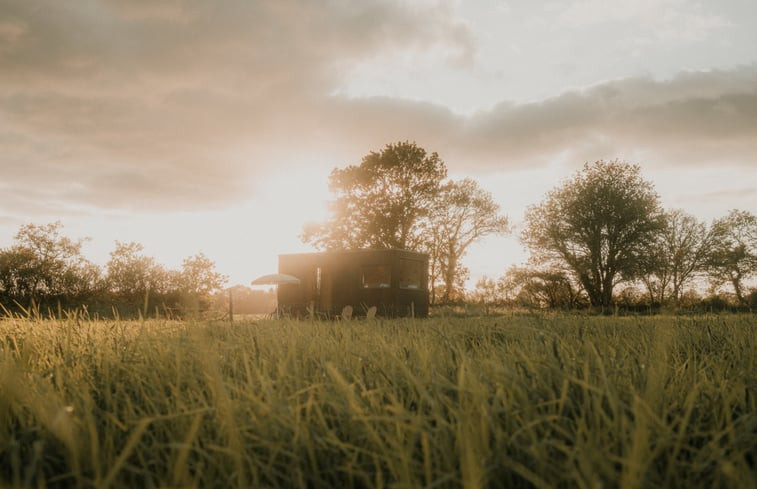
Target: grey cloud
column 180, row 103
column 693, row 118
column 138, row 104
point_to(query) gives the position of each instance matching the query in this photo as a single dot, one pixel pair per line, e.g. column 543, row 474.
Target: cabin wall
column 332, row 280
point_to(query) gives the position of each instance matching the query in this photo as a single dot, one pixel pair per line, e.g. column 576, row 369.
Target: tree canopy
column 464, row 213
column 383, row 202
column 733, row 258
column 598, row 223
column 43, row 263
column 677, row 254
column 400, row 198
column 45, row 269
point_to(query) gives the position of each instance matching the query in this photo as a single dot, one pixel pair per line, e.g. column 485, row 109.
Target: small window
column 377, row 277
column 411, row 274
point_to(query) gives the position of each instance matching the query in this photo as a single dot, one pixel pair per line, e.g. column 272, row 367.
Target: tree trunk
column 607, row 291
column 736, row 281
column 595, row 298
column 449, row 274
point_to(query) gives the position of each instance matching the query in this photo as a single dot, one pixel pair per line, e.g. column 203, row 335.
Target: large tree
column 198, row 280
column 464, row 213
column 733, row 258
column 133, row 276
column 400, row 198
column 45, row 265
column 598, row 224
column 384, row 202
column 675, row 257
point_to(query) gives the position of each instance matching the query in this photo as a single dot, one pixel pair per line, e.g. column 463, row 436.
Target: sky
column 195, row 126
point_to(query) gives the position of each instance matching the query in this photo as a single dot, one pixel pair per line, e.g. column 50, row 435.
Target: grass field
column 522, row 401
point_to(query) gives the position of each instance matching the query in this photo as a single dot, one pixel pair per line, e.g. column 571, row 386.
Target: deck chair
column 346, row 313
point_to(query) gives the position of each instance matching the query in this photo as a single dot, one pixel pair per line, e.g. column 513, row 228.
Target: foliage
column 541, row 287
column 45, row 270
column 131, row 275
column 198, row 281
column 43, row 265
column 520, row 402
column 383, row 202
column 398, row 198
column 464, row 214
column 598, row 224
column 734, row 251
column 675, row 257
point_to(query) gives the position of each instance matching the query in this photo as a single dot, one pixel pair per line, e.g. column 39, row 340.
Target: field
column 538, row 401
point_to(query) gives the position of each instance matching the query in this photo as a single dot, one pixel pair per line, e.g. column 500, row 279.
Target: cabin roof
column 366, row 251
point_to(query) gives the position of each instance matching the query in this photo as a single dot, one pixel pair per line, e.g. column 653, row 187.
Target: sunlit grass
column 524, row 401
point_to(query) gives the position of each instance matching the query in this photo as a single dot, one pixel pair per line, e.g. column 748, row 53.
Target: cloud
column 181, row 103
column 659, row 20
column 693, row 119
column 696, row 118
column 186, row 104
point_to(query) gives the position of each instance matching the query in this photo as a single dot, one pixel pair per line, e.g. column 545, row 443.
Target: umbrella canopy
column 276, row 279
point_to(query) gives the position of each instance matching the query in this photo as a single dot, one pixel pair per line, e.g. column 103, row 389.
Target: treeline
column 599, row 240
column 602, row 240
column 44, row 272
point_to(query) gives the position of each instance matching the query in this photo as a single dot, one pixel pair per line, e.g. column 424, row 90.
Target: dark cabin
column 394, row 281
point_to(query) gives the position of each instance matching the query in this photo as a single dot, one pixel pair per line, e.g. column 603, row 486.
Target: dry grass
column 531, row 401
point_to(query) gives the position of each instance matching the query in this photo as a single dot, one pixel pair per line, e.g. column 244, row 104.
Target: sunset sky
column 212, row 126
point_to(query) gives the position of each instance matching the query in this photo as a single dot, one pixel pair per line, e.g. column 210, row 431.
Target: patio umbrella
column 276, row 279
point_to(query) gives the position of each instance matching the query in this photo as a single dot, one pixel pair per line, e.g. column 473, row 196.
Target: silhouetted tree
column 541, row 286
column 18, row 272
column 464, row 214
column 399, row 198
column 44, row 265
column 677, row 254
column 384, row 202
column 199, row 280
column 132, row 277
column 598, row 224
column 733, row 258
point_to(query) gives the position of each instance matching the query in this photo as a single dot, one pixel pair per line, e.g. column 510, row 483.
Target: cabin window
column 411, row 274
column 376, row 276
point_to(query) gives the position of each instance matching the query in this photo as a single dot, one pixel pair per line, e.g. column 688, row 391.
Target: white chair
column 370, row 313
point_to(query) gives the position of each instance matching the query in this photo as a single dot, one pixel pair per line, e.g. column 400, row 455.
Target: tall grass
column 532, row 401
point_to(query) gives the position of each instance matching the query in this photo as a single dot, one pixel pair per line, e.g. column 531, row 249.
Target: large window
column 377, row 276
column 411, row 274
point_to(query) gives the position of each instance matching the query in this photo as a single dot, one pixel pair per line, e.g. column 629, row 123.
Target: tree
column 132, row 276
column 733, row 258
column 199, row 280
column 464, row 213
column 541, row 286
column 487, row 293
column 384, row 202
column 17, row 274
column 598, row 224
column 42, row 264
column 673, row 259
